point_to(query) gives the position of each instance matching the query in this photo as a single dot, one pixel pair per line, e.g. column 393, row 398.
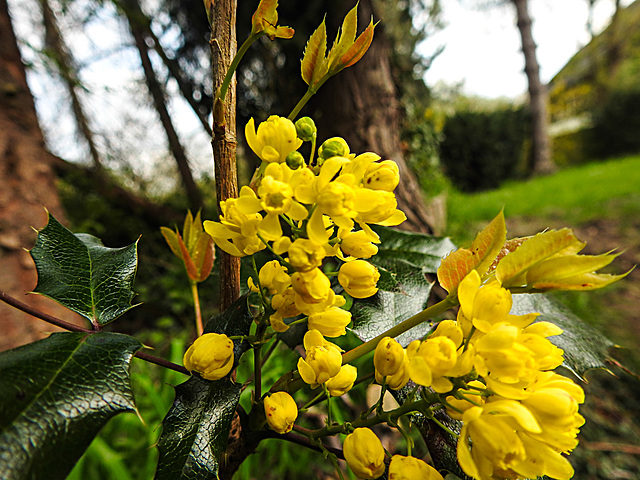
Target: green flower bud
column 295, row 160
column 306, row 129
column 334, row 147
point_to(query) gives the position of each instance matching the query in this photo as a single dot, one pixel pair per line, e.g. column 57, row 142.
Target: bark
column 68, row 72
column 160, row 104
column 27, row 187
column 540, row 160
column 361, row 104
column 223, row 49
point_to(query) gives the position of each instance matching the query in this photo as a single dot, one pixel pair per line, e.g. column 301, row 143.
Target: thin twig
column 75, row 328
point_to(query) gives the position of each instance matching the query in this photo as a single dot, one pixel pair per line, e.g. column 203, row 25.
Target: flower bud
column 305, row 255
column 273, row 277
column 331, row 322
column 211, row 355
column 364, row 453
column 312, row 286
column 334, row 147
column 323, row 360
column 411, row 468
column 358, row 244
column 398, row 379
column 294, row 160
column 343, row 381
column 306, row 129
column 281, row 411
column 382, row 176
column 359, row 278
column 388, row 357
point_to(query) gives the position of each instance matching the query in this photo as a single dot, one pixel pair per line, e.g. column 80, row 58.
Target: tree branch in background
column 57, row 50
column 223, row 50
column 160, row 103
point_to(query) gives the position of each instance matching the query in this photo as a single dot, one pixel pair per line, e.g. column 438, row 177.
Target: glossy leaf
column 345, row 38
column 196, row 429
column 404, row 260
column 79, row 272
column 484, row 249
column 55, row 396
column 356, row 51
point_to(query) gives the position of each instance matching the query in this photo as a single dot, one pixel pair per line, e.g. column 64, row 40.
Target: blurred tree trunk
column 136, row 21
column 540, row 160
column 27, row 187
column 361, row 104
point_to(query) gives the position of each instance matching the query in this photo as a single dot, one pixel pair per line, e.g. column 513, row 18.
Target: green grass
column 578, row 194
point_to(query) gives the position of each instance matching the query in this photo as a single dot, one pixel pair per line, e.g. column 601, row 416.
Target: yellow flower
column 273, row 276
column 305, row 255
column 281, row 411
column 388, row 357
column 274, row 140
column 236, row 232
column 358, row 244
column 331, row 322
column 489, row 442
column 430, row 360
column 398, row 379
column 379, row 207
column 343, row 381
column 463, row 404
column 382, row 176
column 284, row 305
column 411, row 468
column 211, row 355
column 359, row 278
column 364, row 453
column 312, row 286
column 323, row 360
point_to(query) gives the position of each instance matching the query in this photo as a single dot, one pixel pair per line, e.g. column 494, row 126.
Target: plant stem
column 23, row 307
column 234, row 64
column 399, row 329
column 196, row 308
column 311, row 91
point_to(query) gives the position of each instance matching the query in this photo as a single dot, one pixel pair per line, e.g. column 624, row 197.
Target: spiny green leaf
column 79, row 272
column 55, row 396
column 404, row 259
column 196, row 429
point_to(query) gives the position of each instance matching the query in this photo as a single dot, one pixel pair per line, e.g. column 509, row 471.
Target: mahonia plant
column 312, row 229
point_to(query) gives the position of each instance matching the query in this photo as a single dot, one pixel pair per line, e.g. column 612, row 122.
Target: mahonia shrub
column 314, row 231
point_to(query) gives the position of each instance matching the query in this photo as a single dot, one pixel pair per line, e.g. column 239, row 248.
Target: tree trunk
column 361, row 104
column 540, row 160
column 27, row 187
column 131, row 7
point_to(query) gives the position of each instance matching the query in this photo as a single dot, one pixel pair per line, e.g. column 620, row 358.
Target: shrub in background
column 616, row 125
column 482, row 149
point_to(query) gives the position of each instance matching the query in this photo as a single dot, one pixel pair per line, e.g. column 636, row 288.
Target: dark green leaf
column 584, row 347
column 196, row 429
column 236, row 320
column 55, row 396
column 404, row 260
column 79, row 272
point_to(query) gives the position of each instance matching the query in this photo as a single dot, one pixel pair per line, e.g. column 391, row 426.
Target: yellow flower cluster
column 519, row 417
column 304, row 213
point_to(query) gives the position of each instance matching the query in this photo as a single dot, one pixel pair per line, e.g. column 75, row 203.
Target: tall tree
column 27, row 187
column 540, row 160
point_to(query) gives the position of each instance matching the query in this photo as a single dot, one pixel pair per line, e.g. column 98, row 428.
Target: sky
column 482, row 47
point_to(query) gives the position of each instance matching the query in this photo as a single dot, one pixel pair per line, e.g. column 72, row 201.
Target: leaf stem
column 75, row 328
column 234, row 64
column 311, row 91
column 196, row 308
column 399, row 329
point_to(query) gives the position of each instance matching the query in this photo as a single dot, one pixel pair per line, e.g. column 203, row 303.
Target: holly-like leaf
column 584, row 347
column 404, row 260
column 314, row 65
column 55, row 396
column 79, row 272
column 196, row 429
column 484, row 249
